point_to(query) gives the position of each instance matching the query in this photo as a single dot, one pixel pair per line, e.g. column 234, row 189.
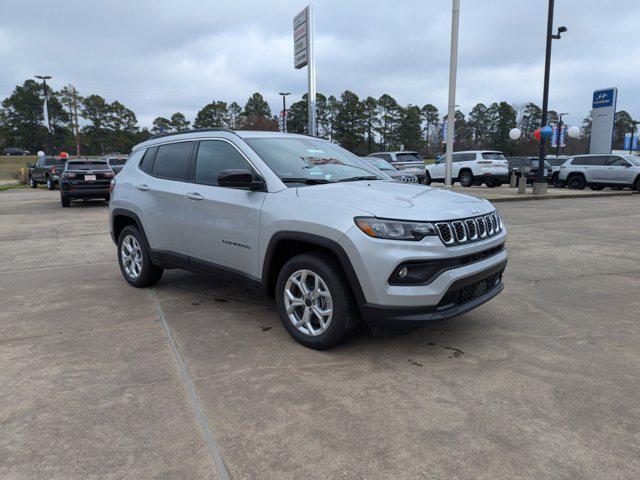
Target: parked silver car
column 307, row 222
column 390, row 170
column 599, row 171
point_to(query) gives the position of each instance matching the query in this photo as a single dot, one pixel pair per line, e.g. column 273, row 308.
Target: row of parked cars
column 77, row 178
column 493, row 169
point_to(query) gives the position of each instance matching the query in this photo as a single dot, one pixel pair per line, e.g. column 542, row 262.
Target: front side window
column 617, row 162
column 172, row 161
column 213, row 157
column 305, row 160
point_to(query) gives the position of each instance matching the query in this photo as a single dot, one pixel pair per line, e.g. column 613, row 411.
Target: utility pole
column 44, row 79
column 284, row 110
column 453, row 70
column 75, row 113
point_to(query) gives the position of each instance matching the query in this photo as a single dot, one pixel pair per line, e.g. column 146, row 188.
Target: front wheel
column 427, row 179
column 314, row 300
column 577, row 182
column 32, row 182
column 466, row 178
column 134, row 261
column 555, row 181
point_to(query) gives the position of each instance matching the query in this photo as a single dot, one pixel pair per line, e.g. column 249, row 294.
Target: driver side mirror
column 240, row 178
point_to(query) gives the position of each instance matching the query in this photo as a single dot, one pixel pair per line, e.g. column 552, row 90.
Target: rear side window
column 581, row 161
column 146, row 165
column 215, row 156
column 172, row 161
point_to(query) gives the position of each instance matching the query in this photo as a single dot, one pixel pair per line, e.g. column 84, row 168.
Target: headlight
column 394, row 229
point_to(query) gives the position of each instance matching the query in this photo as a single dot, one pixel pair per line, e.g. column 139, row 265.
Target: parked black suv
column 84, row 179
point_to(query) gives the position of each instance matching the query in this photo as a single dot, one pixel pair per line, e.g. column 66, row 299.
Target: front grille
column 463, row 294
column 457, row 232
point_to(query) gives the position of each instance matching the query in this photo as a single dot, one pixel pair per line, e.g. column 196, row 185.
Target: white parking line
column 211, row 443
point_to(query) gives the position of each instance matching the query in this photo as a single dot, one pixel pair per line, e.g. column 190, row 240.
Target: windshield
column 310, row 160
column 87, row 166
column 493, row 156
column 408, row 157
column 380, row 164
column 634, row 159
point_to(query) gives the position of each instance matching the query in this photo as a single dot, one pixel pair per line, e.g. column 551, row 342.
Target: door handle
column 143, row 187
column 194, row 196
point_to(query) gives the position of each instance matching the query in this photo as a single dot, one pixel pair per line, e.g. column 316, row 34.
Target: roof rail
column 193, row 130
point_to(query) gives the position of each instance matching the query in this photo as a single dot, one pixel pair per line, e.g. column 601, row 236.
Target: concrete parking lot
column 541, row 382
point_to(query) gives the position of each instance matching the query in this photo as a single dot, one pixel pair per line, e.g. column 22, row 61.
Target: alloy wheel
column 466, row 179
column 308, row 302
column 131, row 256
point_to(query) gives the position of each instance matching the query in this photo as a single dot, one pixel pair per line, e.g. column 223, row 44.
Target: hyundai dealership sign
column 603, row 113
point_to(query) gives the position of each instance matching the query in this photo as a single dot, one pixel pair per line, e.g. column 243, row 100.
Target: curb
column 530, row 197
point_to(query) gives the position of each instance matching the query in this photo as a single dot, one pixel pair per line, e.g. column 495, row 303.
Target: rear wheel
column 427, row 179
column 577, row 182
column 636, row 185
column 555, row 181
column 134, row 261
column 466, row 178
column 66, row 202
column 32, row 182
column 50, row 184
column 314, row 300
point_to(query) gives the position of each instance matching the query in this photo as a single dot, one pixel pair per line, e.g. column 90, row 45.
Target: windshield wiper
column 362, row 177
column 305, row 180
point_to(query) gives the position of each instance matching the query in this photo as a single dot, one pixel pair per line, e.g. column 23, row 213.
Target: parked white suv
column 472, row 168
column 598, row 171
column 333, row 239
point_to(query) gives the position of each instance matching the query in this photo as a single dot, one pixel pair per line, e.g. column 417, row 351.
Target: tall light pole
column 284, row 110
column 560, row 124
column 540, row 186
column 312, row 75
column 453, row 70
column 44, row 79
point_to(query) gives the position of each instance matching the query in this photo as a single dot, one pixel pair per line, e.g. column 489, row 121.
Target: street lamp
column 284, row 110
column 44, row 79
column 540, row 186
column 560, row 124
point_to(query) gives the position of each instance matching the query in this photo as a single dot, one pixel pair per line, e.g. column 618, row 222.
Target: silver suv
column 332, row 238
column 599, row 171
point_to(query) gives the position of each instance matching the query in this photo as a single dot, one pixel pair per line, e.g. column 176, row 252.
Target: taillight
column 112, row 185
column 53, row 169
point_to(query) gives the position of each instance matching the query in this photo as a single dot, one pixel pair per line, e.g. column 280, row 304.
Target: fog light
column 403, row 272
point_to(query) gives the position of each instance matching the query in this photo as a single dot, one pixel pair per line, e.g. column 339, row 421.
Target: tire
column 32, row 182
column 66, row 202
column 338, row 298
column 577, row 182
column 596, row 187
column 136, row 267
column 555, row 181
column 427, row 179
column 50, row 184
column 107, row 198
column 636, row 184
column 465, row 178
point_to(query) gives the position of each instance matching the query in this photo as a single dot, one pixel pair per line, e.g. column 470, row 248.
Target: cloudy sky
column 158, row 57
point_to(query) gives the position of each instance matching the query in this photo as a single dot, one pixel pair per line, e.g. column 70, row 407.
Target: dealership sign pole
column 451, row 113
column 303, row 55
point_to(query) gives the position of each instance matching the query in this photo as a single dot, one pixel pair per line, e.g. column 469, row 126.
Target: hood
column 403, row 201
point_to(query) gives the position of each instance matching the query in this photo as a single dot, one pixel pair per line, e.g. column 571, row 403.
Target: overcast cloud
column 158, row 57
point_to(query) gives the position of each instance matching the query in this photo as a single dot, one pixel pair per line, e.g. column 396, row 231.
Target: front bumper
column 462, row 296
